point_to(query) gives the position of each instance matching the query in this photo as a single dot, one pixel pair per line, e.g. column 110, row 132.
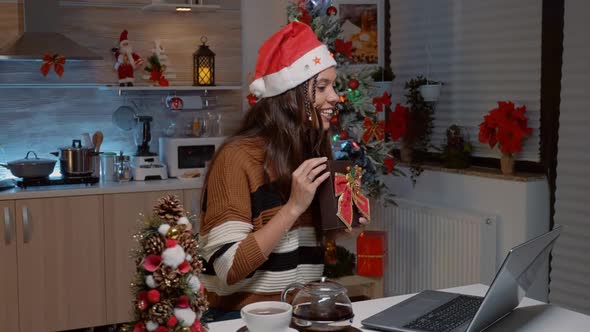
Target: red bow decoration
column 348, row 187
column 373, row 129
column 379, row 102
column 343, row 47
column 56, row 60
column 157, row 76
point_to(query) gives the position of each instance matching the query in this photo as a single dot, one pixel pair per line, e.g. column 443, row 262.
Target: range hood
column 38, row 25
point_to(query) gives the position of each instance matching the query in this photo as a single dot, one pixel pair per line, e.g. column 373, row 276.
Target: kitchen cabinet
column 121, row 214
column 60, row 255
column 8, row 276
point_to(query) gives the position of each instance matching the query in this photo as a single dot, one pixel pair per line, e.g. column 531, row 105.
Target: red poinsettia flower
column 506, row 126
column 398, row 122
column 511, row 136
column 251, row 99
column 343, row 47
column 389, row 164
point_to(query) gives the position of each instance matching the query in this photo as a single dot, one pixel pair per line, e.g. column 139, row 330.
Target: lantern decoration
column 204, row 65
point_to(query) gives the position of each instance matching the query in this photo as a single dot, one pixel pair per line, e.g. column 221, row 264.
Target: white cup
column 267, row 316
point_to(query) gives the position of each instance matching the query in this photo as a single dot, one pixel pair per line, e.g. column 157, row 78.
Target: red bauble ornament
column 353, row 84
column 334, row 120
column 343, row 135
column 331, row 11
column 172, row 321
column 139, row 327
column 161, row 329
column 153, row 296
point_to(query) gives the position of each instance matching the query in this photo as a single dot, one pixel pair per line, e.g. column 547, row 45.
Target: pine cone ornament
column 196, row 264
column 166, row 277
column 187, row 241
column 154, row 244
column 199, row 304
column 161, row 312
column 169, row 209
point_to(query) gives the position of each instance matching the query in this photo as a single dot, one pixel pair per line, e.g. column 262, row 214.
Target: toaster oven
column 188, row 156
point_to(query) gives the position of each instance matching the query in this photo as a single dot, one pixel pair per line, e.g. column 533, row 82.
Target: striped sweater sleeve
column 227, row 230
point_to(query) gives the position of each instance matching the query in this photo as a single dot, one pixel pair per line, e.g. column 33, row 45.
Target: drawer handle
column 7, row 226
column 26, row 226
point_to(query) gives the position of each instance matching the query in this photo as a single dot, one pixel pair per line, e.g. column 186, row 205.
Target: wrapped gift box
column 328, row 200
column 371, row 249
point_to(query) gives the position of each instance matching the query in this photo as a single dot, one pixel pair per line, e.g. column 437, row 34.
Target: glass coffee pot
column 320, row 305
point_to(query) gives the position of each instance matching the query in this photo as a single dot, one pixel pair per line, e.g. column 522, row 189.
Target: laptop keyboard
column 448, row 316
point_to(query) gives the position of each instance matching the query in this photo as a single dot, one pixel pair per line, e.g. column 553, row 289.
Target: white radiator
column 432, row 247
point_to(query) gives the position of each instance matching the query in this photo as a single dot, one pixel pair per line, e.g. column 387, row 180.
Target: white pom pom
column 183, row 221
column 173, row 256
column 149, row 280
column 188, row 258
column 163, row 229
column 186, row 317
column 257, row 87
column 194, row 283
column 151, row 325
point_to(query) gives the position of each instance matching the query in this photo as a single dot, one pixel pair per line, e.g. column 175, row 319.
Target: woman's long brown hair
column 292, row 133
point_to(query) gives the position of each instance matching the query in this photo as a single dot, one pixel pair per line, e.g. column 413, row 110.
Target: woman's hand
column 304, row 183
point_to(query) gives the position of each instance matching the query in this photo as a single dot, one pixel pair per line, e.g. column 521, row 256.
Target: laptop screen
column 513, row 279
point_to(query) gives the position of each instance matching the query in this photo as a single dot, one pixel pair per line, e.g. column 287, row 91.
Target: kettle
column 320, row 305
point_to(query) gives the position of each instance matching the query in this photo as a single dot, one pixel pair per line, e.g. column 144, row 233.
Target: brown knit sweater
column 237, row 203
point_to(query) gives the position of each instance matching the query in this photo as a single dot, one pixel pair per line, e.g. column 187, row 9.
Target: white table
column 531, row 315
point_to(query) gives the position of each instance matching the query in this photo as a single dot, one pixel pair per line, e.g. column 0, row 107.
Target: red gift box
column 371, row 247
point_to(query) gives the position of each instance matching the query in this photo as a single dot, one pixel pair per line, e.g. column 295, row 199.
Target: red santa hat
column 123, row 36
column 288, row 58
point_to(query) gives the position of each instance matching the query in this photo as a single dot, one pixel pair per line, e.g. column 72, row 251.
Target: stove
column 53, row 181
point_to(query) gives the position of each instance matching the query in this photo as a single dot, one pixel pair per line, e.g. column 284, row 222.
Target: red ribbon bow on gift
column 379, row 102
column 56, row 60
column 373, row 129
column 348, row 187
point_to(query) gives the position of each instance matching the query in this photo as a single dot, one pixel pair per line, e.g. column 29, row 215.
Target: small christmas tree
column 168, row 296
column 359, row 130
column 158, row 66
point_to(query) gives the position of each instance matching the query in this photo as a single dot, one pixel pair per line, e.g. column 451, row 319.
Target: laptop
column 437, row 311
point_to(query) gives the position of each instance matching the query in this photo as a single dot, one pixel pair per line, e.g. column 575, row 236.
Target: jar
column 107, row 167
column 123, row 168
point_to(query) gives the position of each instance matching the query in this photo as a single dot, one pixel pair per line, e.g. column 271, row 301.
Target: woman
column 258, row 233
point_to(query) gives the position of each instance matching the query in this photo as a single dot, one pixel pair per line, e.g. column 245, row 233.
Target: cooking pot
column 320, row 305
column 30, row 167
column 76, row 160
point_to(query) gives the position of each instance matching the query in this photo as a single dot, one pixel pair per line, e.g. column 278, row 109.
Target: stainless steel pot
column 30, row 167
column 76, row 160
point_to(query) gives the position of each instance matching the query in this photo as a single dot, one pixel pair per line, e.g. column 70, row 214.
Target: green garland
column 344, row 266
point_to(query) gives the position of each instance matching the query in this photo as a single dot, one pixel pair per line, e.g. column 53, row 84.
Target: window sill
column 486, row 172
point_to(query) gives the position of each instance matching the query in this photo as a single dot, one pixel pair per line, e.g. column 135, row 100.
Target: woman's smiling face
column 326, row 97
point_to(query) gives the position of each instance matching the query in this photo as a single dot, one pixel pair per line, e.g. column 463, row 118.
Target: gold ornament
column 174, row 232
column 185, row 329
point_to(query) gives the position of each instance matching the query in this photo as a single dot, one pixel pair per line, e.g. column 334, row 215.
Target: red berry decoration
column 353, row 84
column 344, row 135
column 331, row 11
column 154, row 296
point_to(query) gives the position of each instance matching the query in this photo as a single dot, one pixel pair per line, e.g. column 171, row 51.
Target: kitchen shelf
column 171, row 88
column 163, row 6
column 109, row 87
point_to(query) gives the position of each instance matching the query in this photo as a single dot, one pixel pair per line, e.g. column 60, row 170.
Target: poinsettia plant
column 505, row 126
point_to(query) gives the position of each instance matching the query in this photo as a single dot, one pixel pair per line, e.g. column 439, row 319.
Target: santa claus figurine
column 126, row 61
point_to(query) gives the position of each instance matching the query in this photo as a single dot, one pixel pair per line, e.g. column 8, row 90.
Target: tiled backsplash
column 42, row 120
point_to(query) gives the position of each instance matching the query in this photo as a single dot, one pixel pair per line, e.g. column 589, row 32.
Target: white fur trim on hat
column 291, row 76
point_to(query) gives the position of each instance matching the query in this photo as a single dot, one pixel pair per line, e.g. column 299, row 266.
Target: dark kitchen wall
column 44, row 118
